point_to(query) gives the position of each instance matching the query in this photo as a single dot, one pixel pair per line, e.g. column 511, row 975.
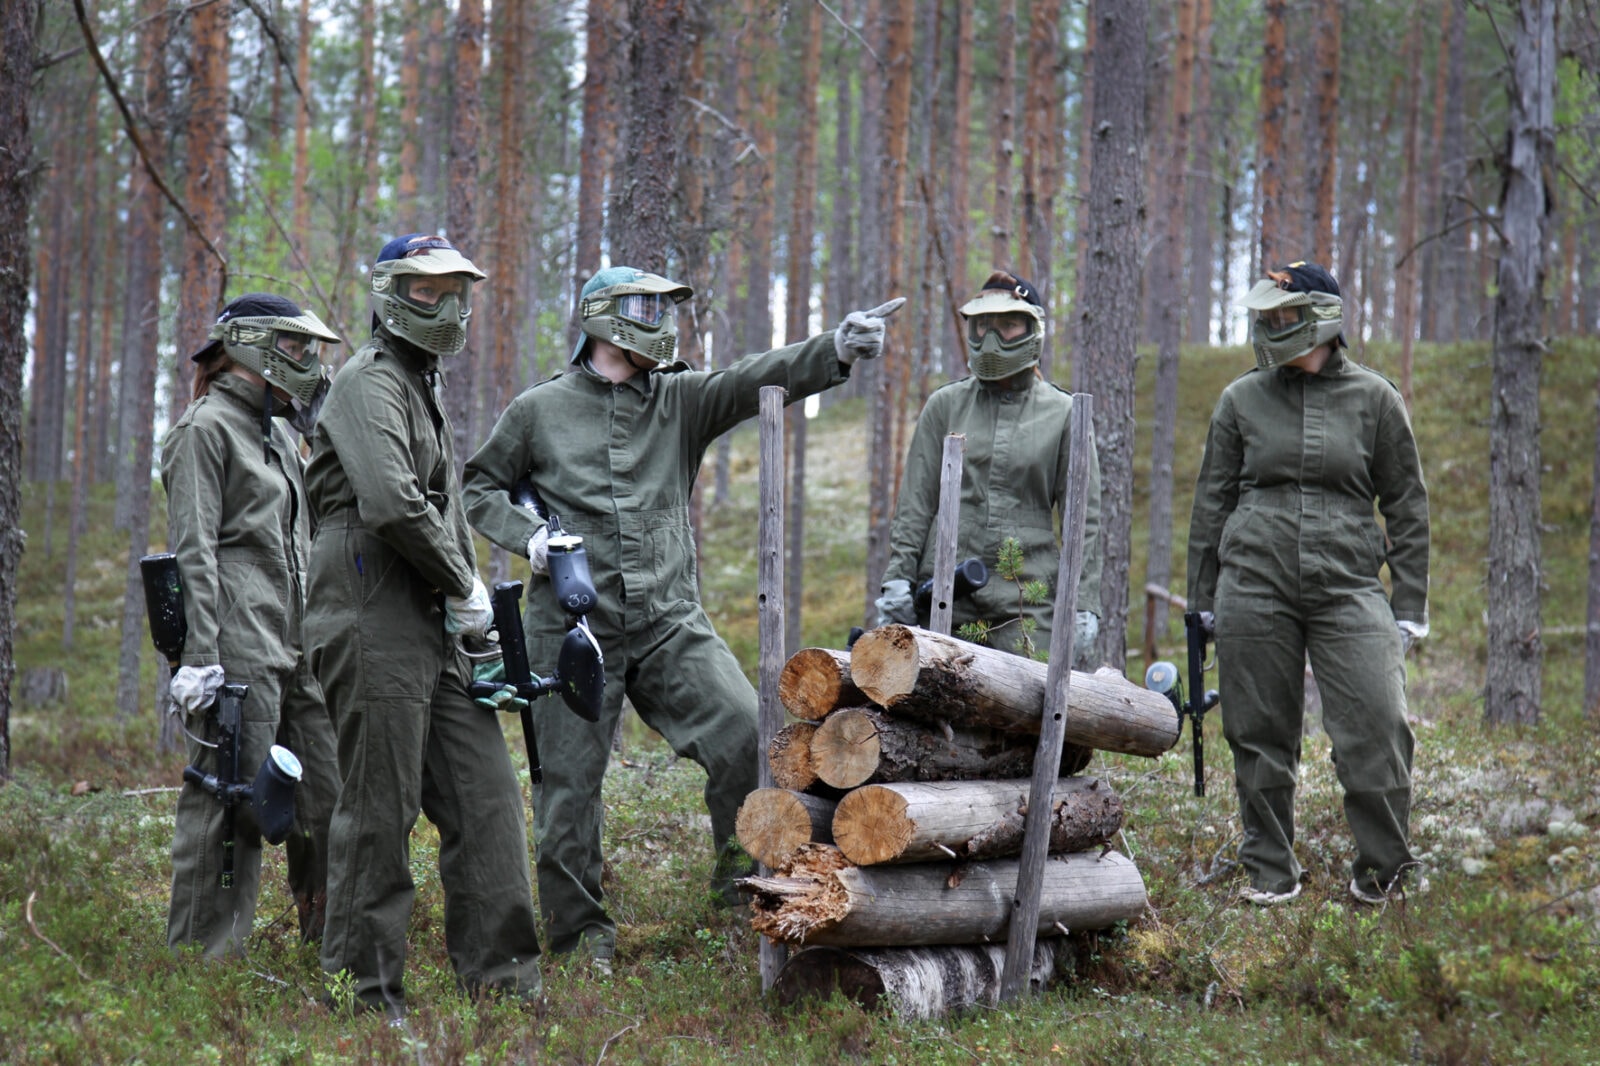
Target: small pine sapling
column 1030, row 593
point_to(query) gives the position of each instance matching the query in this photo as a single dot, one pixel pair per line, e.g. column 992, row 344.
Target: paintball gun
column 580, row 668
column 271, row 793
column 971, row 575
column 1200, row 627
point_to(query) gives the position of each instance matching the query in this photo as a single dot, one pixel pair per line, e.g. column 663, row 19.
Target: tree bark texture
column 789, row 756
column 1269, row 170
column 1329, row 31
column 913, row 673
column 461, row 212
column 925, row 821
column 17, row 180
column 815, row 682
column 774, row 822
column 820, row 898
column 1201, row 187
column 1002, row 130
column 1109, row 299
column 596, row 145
column 916, row 983
column 1516, row 650
column 656, row 65
column 205, row 189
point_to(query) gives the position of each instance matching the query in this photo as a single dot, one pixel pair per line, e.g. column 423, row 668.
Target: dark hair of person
column 208, row 366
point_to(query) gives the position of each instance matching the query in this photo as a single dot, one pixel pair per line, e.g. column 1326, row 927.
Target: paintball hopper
column 272, row 794
column 971, row 575
column 580, row 669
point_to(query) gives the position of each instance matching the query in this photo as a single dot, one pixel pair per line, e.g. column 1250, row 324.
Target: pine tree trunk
column 1516, row 651
column 1269, row 169
column 595, row 147
column 461, row 211
column 88, row 269
column 17, row 177
column 407, row 218
column 1329, row 31
column 1201, row 188
column 656, row 66
column 1109, row 297
column 1455, row 293
column 960, row 163
column 1405, row 286
column 1002, row 130
column 300, row 226
column 205, row 191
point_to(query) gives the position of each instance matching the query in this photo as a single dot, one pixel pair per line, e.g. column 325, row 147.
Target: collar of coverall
column 1336, row 366
column 406, row 354
column 642, row 382
column 245, row 394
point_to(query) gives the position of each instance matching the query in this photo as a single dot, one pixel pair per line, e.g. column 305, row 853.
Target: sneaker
column 601, row 965
column 1262, row 898
column 1377, row 895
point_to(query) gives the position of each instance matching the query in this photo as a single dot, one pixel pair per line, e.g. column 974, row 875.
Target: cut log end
column 885, row 662
column 874, row 827
column 789, row 756
column 774, row 823
column 815, row 682
column 845, row 750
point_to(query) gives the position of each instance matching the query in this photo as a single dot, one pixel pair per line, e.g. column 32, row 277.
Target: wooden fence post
column 1052, row 727
column 769, row 603
column 948, row 530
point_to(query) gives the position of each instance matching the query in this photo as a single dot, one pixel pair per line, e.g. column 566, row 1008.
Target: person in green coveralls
column 237, row 522
column 613, row 446
column 394, row 593
column 1303, row 453
column 1018, row 443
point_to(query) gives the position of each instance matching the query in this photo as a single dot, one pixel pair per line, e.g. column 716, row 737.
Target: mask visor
column 645, row 308
column 1278, row 323
column 1011, row 328
column 300, row 349
column 427, row 293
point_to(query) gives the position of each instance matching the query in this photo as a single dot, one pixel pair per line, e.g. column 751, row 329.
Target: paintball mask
column 423, row 290
column 1296, row 310
column 632, row 309
column 271, row 336
column 1004, row 328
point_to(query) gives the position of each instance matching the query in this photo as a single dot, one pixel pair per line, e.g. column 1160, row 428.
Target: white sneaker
column 601, row 964
column 1396, row 892
column 1262, row 898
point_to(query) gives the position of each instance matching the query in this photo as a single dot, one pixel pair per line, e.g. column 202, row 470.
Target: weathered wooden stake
column 947, row 531
column 1052, row 729
column 769, row 602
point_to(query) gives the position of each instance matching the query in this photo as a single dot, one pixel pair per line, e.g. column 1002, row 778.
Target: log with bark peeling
column 914, row 673
column 774, row 822
column 815, row 682
column 818, row 897
column 916, row 983
column 967, row 820
column 857, row 745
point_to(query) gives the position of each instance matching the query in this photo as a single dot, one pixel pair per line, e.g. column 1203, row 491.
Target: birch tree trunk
column 916, row 983
column 1512, row 690
column 1109, row 299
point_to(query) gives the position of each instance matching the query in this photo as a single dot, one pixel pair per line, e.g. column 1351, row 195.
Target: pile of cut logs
column 892, row 835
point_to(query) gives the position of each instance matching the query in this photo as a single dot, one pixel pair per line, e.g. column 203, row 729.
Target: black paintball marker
column 271, row 793
column 1200, row 628
column 580, row 668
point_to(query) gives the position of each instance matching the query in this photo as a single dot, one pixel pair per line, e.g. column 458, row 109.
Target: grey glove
column 895, row 604
column 1085, row 630
column 539, row 551
column 469, row 616
column 860, row 335
column 193, row 688
column 1410, row 633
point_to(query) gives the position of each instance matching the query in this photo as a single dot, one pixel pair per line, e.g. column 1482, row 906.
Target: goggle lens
column 643, row 308
column 298, row 348
column 1011, row 326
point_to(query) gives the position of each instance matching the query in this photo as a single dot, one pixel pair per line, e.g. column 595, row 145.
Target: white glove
column 539, row 551
column 470, row 616
column 1085, row 629
column 193, row 688
column 895, row 604
column 860, row 335
column 1410, row 633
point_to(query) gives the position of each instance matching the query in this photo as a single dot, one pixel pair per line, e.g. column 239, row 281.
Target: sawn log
column 815, row 682
column 773, row 823
column 968, row 820
column 914, row 673
column 820, row 898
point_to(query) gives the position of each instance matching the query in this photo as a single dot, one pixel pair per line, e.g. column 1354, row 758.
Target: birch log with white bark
column 914, row 673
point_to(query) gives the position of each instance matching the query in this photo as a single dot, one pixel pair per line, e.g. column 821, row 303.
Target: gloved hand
column 493, row 668
column 193, row 688
column 539, row 551
column 469, row 616
column 860, row 335
column 1410, row 633
column 895, row 603
column 1085, row 630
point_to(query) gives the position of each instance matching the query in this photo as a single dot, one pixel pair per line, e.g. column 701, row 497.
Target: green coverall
column 391, row 542
column 238, row 523
column 617, row 463
column 1285, row 548
column 1018, row 444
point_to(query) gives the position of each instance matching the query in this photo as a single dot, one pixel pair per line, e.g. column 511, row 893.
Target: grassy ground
column 1498, row 963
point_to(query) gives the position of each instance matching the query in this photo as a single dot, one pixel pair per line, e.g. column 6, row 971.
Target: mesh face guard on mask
column 423, row 288
column 283, row 348
column 1005, row 330
column 632, row 309
column 1289, row 324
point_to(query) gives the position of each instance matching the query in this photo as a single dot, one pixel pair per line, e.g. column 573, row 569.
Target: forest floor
column 1498, row 963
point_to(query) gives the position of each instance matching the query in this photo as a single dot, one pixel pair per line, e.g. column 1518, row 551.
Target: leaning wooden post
column 1052, row 727
column 947, row 532
column 769, row 609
